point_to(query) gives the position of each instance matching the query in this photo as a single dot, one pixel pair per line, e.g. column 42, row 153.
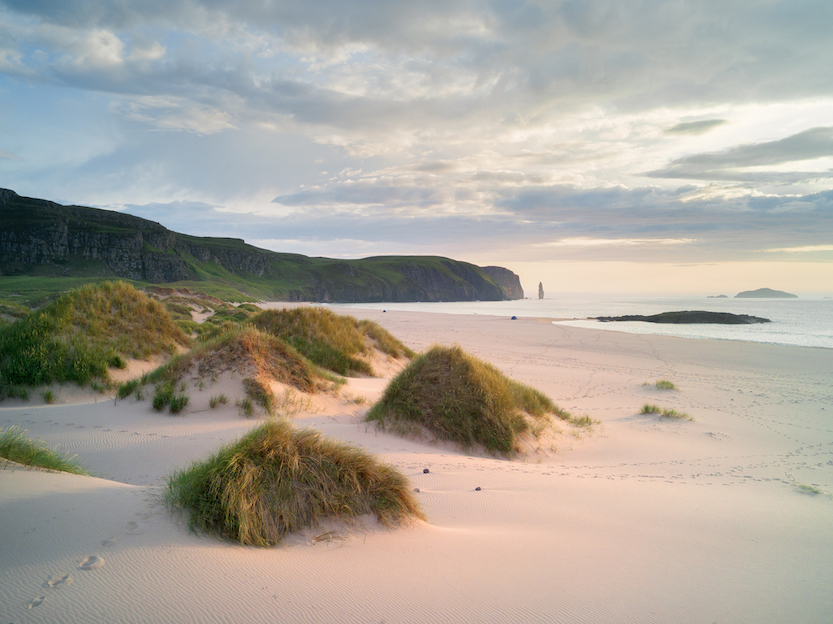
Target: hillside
column 42, row 239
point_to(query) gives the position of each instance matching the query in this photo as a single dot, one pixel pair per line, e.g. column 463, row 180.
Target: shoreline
column 643, row 520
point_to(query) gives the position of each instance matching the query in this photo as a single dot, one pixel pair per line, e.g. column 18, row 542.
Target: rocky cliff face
column 505, row 278
column 44, row 238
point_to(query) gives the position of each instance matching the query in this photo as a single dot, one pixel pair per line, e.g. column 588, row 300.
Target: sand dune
column 645, row 520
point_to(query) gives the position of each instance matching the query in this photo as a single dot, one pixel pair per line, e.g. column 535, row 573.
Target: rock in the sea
column 765, row 293
column 689, row 317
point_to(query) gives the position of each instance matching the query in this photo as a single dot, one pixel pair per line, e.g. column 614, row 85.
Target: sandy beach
column 641, row 520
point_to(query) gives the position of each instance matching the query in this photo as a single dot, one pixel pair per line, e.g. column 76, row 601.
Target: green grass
column 664, row 384
column 126, row 388
column 812, row 490
column 259, row 392
column 17, row 447
column 48, row 396
column 330, row 340
column 665, row 412
column 460, row 398
column 247, row 407
column 79, row 336
column 277, row 480
column 166, row 396
column 220, row 399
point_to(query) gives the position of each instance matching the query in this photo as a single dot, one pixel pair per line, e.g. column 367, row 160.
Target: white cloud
column 805, row 249
column 615, row 242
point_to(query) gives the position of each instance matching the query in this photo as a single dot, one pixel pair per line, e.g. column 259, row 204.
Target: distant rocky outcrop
column 689, row 317
column 717, row 297
column 42, row 238
column 765, row 293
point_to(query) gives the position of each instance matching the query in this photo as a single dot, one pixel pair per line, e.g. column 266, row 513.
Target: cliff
column 42, row 238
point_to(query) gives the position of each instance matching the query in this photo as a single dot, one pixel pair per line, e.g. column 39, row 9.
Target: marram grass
column 462, row 399
column 330, row 340
column 665, row 412
column 277, row 480
column 17, row 447
column 77, row 337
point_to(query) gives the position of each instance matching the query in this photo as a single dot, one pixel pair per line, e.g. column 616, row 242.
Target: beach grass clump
column 48, row 396
column 334, row 342
column 664, row 384
column 459, row 398
column 126, row 388
column 259, row 392
column 277, row 480
column 16, row 446
column 83, row 333
column 166, row 396
column 665, row 412
column 219, row 399
column 812, row 490
column 246, row 406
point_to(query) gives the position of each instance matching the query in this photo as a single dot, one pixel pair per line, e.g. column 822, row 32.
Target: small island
column 717, row 297
column 765, row 293
column 689, row 317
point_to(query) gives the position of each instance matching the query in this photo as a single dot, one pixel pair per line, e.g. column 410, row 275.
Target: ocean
column 803, row 322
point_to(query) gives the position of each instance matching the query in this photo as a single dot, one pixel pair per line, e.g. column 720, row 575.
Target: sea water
column 804, row 322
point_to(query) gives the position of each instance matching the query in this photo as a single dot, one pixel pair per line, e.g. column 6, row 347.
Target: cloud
column 8, row 156
column 615, row 242
column 805, row 249
column 807, row 145
column 696, row 127
column 452, row 125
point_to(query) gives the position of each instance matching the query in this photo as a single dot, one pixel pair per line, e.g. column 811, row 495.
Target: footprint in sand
column 134, row 528
column 36, row 602
column 65, row 580
column 93, row 562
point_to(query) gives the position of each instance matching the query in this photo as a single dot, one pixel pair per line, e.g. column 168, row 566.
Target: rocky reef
column 689, row 317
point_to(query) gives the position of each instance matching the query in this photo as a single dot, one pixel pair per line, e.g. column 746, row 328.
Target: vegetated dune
column 77, row 337
column 455, row 397
column 256, row 367
column 277, row 480
column 338, row 343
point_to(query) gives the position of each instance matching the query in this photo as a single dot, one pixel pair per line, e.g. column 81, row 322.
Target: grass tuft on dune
column 337, row 343
column 462, row 399
column 77, row 337
column 17, row 447
column 277, row 480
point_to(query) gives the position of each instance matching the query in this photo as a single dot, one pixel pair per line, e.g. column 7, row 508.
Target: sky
column 596, row 146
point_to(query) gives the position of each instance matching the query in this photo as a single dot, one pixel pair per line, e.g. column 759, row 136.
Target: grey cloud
column 363, row 194
column 807, row 145
column 696, row 127
column 565, row 53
